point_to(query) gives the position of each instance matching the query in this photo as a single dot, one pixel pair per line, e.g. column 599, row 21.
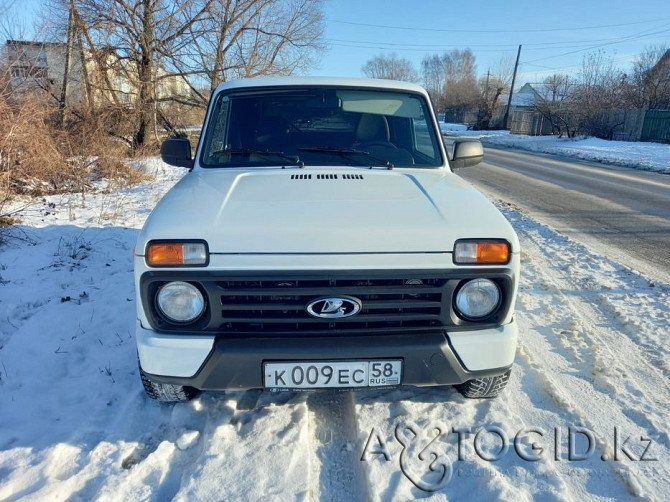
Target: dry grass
column 38, row 157
column 30, row 158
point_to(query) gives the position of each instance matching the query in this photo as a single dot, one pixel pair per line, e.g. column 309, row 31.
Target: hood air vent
column 327, row 177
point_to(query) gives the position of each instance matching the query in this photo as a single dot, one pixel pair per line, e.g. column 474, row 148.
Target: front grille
column 266, row 304
column 280, row 305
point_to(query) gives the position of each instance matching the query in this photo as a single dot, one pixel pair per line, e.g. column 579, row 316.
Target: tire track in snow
column 425, row 409
column 231, row 446
column 255, row 450
column 615, row 359
column 336, row 472
column 615, row 385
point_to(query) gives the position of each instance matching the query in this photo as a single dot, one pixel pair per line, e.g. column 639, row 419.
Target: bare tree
column 649, row 83
column 249, row 38
column 492, row 87
column 600, row 90
column 460, row 84
column 11, row 24
column 391, row 67
column 201, row 42
column 451, row 82
column 135, row 38
column 555, row 105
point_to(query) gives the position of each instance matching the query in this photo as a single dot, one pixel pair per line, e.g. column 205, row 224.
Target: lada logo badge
column 334, row 307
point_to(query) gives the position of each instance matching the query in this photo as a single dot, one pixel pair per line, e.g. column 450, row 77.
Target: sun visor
column 381, row 103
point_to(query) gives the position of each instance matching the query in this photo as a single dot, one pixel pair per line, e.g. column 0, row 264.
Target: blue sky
column 555, row 35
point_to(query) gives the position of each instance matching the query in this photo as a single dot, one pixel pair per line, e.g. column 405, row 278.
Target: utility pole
column 66, row 66
column 511, row 90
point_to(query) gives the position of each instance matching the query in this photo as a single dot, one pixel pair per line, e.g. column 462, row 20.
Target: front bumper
column 436, row 358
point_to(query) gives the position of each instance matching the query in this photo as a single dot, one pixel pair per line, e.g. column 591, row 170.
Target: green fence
column 656, row 126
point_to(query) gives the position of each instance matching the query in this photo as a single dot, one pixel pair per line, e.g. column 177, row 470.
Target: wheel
column 484, row 387
column 167, row 392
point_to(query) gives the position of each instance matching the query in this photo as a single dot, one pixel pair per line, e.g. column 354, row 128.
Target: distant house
column 40, row 65
column 525, row 116
column 113, row 80
column 532, row 94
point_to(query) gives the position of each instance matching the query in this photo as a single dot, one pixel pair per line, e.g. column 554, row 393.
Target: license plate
column 333, row 374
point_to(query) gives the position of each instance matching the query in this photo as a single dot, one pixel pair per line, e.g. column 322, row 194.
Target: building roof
column 530, row 93
column 663, row 62
column 32, row 43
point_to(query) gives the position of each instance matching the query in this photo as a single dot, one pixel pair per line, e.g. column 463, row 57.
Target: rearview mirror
column 177, row 152
column 467, row 152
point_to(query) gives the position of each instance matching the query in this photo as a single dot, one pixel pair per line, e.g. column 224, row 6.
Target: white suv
column 321, row 240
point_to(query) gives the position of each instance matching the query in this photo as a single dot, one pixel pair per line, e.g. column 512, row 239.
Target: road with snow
column 584, row 416
column 623, row 212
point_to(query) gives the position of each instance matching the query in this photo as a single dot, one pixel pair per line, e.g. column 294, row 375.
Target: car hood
column 309, row 211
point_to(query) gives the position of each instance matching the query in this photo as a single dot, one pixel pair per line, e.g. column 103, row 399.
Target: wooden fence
column 624, row 125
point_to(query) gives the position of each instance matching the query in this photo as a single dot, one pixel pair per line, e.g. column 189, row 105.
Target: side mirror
column 467, row 153
column 177, row 152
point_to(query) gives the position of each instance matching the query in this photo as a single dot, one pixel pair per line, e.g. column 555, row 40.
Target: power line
column 539, row 45
column 625, row 57
column 646, row 34
column 383, row 46
column 639, row 36
column 436, row 48
column 543, row 30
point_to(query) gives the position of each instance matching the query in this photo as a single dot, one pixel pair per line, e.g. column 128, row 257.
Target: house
column 531, row 107
column 113, row 80
column 103, row 77
column 40, row 65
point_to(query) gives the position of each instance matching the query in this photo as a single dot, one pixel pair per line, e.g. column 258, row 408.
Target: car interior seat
column 373, row 135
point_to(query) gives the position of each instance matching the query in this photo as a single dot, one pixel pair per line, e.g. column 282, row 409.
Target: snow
column 449, row 127
column 76, row 424
column 635, row 154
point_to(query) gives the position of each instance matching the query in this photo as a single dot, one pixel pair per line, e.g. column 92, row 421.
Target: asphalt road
column 622, row 213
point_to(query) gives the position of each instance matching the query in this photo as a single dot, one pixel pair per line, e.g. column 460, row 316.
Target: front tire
column 484, row 388
column 167, row 392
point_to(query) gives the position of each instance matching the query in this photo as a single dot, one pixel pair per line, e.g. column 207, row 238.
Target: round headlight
column 477, row 299
column 180, row 302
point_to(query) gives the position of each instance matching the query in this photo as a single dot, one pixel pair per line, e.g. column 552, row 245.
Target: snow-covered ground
column 635, row 154
column 75, row 424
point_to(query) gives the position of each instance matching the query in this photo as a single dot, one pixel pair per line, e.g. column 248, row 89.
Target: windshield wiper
column 350, row 153
column 293, row 159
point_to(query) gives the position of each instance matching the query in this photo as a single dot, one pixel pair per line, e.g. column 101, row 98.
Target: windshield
column 320, row 126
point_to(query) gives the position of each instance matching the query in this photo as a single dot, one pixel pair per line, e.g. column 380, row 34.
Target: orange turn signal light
column 481, row 252
column 174, row 254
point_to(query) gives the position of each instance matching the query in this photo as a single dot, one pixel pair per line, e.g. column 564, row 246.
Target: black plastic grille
column 280, row 305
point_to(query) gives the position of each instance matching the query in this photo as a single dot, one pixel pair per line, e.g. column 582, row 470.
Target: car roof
column 321, row 81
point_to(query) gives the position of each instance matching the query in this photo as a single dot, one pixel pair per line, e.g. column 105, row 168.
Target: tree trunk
column 145, row 70
column 66, row 69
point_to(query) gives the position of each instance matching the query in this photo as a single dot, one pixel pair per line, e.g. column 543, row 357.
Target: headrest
column 372, row 128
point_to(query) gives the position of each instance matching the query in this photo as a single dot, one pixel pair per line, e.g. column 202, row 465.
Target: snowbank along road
column 623, row 212
column 585, row 415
